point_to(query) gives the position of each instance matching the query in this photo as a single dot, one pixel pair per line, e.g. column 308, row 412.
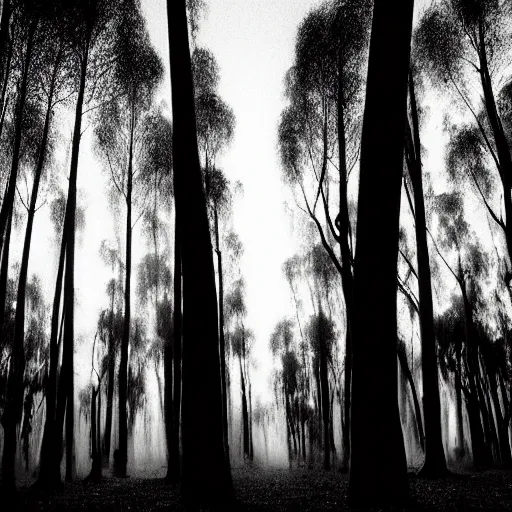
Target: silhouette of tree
column 378, row 470
column 206, row 474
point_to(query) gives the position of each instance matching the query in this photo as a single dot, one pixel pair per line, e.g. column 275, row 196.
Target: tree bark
column 378, row 469
column 206, row 473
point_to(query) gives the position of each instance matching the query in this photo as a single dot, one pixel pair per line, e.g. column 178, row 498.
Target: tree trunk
column 324, row 386
column 434, row 465
column 122, row 454
column 245, row 414
column 4, row 277
column 402, row 358
column 347, row 278
column 206, row 473
column 222, row 342
column 174, row 462
column 8, row 201
column 378, row 469
column 14, row 395
column 110, row 383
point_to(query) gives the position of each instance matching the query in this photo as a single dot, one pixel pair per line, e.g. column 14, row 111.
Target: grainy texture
column 276, row 490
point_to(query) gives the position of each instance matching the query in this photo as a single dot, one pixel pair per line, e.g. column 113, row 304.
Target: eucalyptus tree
column 206, row 473
column 88, row 28
column 120, row 136
column 324, row 88
column 378, row 469
column 463, row 46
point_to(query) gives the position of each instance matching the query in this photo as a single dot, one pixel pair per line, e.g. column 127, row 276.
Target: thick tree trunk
column 206, row 474
column 434, row 465
column 49, row 471
column 122, row 454
column 378, row 469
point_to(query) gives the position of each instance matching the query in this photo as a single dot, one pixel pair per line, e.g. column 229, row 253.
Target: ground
column 275, row 490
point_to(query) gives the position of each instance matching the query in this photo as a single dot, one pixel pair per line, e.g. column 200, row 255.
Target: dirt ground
column 274, row 490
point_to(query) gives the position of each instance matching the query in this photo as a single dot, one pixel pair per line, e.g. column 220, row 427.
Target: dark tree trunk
column 49, row 472
column 8, row 201
column 4, row 276
column 5, row 50
column 206, row 472
column 110, row 383
column 121, row 459
column 347, row 278
column 434, row 465
column 174, row 462
column 461, row 450
column 402, row 358
column 222, row 342
column 14, row 402
column 95, row 474
column 378, row 467
column 245, row 414
column 324, row 386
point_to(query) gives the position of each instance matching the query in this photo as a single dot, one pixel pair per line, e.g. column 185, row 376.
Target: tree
column 206, row 474
column 435, row 463
column 462, row 46
column 324, row 88
column 88, row 27
column 120, row 134
column 378, row 470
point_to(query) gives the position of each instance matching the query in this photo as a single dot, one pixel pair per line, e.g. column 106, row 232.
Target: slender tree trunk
column 122, row 454
column 245, row 414
column 110, row 388
column 347, row 278
column 174, row 462
column 434, row 464
column 14, row 403
column 324, row 385
column 4, row 276
column 206, row 472
column 8, row 201
column 222, row 341
column 458, row 398
column 378, row 469
column 4, row 100
column 5, row 47
column 402, row 358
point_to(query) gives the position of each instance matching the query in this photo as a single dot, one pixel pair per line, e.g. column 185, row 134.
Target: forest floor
column 274, row 490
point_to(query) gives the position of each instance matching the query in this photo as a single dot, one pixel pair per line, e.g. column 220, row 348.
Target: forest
column 217, row 294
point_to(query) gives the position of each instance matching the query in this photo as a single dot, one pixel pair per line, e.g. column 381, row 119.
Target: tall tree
column 378, row 469
column 120, row 136
column 435, row 463
column 206, row 473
